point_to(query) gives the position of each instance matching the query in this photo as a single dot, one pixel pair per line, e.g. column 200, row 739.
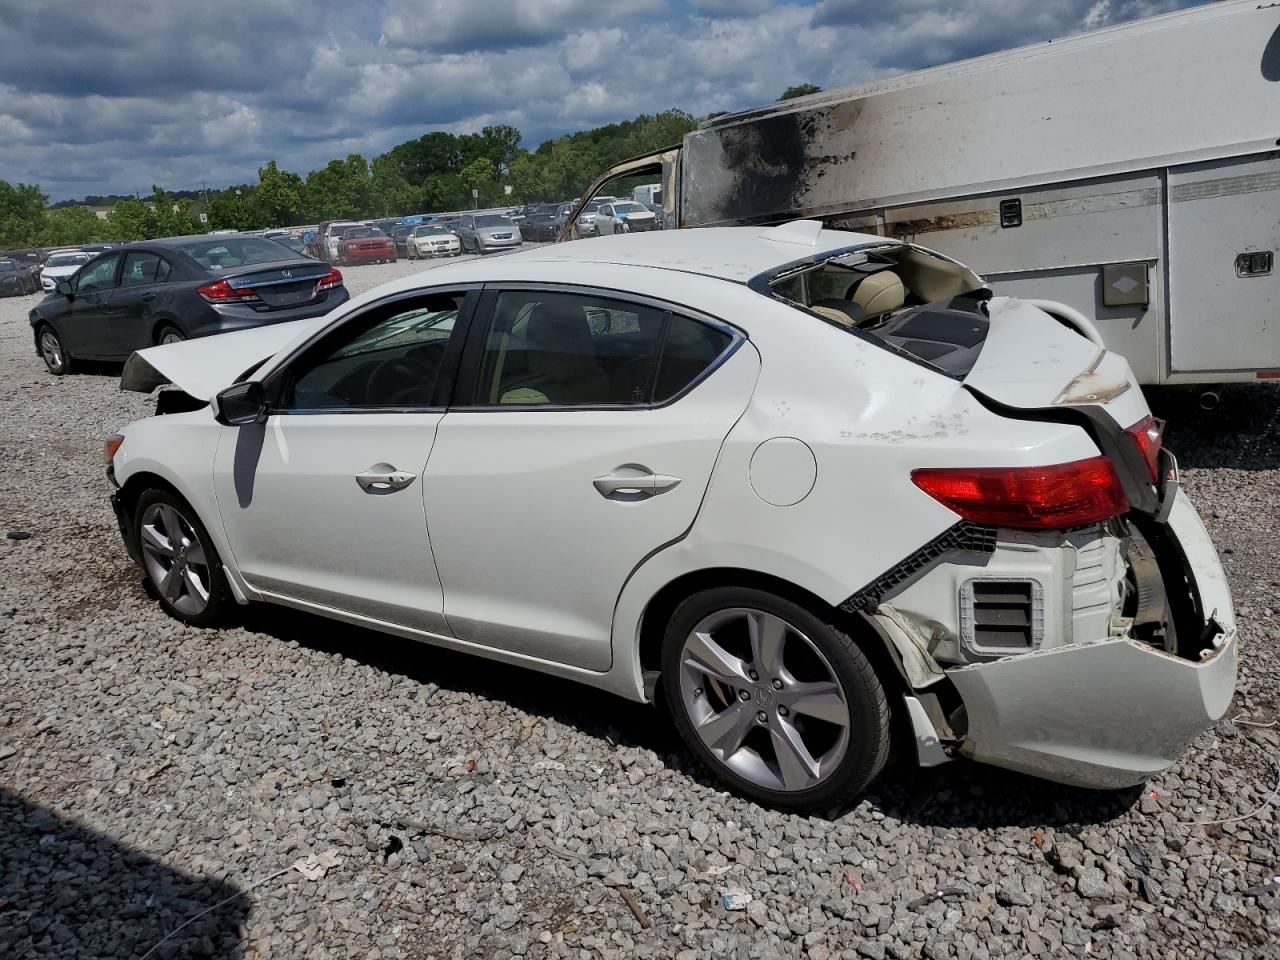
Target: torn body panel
column 1113, row 711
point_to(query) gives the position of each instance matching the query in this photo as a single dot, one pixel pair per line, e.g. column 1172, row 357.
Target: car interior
column 235, row 252
column 563, row 349
column 394, row 362
column 922, row 304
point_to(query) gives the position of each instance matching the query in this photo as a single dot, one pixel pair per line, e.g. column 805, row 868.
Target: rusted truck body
column 1132, row 172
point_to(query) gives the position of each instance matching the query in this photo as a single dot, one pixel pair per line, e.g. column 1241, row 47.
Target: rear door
column 581, row 439
column 1224, row 289
column 323, row 504
column 85, row 327
column 143, row 288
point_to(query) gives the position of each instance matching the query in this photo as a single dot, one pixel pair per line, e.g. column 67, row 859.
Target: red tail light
column 221, row 291
column 1148, row 434
column 1029, row 498
column 330, row 280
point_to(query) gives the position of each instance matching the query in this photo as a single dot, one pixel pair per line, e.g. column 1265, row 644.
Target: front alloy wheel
column 781, row 705
column 179, row 559
column 55, row 358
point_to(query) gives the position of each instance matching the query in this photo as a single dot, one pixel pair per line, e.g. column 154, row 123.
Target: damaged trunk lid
column 1031, row 360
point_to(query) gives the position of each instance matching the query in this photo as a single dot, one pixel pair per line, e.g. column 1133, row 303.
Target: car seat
column 562, row 360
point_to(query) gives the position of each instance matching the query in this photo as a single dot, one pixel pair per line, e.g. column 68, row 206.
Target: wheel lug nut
column 783, row 711
column 762, row 717
column 698, row 692
column 753, row 675
column 743, row 695
column 777, row 684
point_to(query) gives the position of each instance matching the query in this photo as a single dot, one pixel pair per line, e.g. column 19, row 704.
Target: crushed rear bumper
column 1112, row 712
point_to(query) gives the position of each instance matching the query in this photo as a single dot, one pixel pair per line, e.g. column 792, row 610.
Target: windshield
column 629, row 207
column 591, row 207
column 67, row 259
column 493, row 220
column 8, row 266
column 431, row 232
column 359, row 233
column 225, row 253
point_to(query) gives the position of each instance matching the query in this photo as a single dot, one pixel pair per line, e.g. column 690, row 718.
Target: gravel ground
column 150, row 772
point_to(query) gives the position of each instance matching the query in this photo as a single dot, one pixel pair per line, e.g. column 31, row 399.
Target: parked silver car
column 482, row 232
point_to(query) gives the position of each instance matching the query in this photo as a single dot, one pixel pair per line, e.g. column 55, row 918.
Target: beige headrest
column 831, row 313
column 880, row 293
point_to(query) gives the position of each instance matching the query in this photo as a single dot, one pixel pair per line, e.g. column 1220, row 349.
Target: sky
column 112, row 97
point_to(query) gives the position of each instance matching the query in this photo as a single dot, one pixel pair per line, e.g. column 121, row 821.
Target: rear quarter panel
column 869, row 418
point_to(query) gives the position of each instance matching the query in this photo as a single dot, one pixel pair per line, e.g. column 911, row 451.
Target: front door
column 323, row 504
column 581, row 439
column 85, row 327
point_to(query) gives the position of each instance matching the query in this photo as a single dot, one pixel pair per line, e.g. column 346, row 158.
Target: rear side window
column 572, row 350
column 144, row 268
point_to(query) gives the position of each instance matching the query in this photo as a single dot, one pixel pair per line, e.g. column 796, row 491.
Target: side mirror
column 240, row 404
column 63, row 287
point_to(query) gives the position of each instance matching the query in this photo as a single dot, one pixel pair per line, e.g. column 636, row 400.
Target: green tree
column 22, row 216
column 173, row 218
column 235, row 209
column 280, row 197
column 342, row 189
column 73, row 225
column 131, row 219
column 481, row 175
column 391, row 194
column 799, row 90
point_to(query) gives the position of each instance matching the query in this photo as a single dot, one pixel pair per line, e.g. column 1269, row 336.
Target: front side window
column 389, row 358
column 143, row 268
column 99, row 275
column 571, row 349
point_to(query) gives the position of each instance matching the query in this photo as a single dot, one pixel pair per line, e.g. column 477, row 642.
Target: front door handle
column 384, row 478
column 633, row 483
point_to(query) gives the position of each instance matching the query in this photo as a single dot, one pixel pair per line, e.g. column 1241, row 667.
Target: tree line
column 436, row 172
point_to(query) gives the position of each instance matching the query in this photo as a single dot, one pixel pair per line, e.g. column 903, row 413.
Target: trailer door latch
column 1255, row 264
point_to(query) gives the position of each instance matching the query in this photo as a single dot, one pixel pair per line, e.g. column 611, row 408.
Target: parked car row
column 26, row 271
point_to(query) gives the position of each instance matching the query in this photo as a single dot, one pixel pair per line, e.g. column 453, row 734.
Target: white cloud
column 104, row 97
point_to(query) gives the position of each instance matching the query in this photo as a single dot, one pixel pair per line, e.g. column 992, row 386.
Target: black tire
column 219, row 598
column 867, row 747
column 57, row 361
column 169, row 330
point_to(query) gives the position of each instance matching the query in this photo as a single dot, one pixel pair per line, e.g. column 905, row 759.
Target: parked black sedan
column 541, row 225
column 178, row 288
column 15, row 279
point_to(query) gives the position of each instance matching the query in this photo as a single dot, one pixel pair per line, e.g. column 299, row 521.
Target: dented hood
column 203, row 367
column 1031, row 360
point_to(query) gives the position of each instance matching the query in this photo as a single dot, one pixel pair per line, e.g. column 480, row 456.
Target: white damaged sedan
column 803, row 484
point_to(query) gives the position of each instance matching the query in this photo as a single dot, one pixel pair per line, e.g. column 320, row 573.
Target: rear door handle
column 148, row 297
column 384, row 478
column 634, row 484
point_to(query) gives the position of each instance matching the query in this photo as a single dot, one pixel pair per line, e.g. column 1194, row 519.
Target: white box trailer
column 1132, row 172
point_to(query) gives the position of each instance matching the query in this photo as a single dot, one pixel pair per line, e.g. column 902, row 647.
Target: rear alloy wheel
column 179, row 559
column 169, row 335
column 783, row 707
column 51, row 351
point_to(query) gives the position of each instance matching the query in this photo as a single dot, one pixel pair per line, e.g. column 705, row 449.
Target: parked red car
column 366, row 245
